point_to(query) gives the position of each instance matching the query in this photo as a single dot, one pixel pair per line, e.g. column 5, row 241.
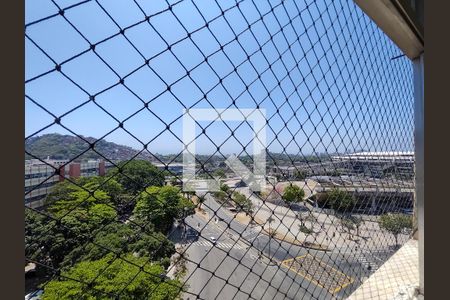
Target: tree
column 45, row 242
column 300, row 175
column 122, row 238
column 395, row 223
column 221, row 196
column 110, row 186
column 347, row 225
column 50, row 242
column 201, row 199
column 137, row 175
column 293, row 194
column 305, row 229
column 68, row 194
column 161, row 206
column 115, row 275
column 79, row 199
column 340, row 200
column 61, row 190
column 271, row 234
column 225, row 188
column 219, row 173
column 306, row 216
column 79, row 212
column 357, row 221
column 243, row 203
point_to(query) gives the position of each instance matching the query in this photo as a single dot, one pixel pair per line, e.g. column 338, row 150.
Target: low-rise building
column 174, row 168
column 378, row 164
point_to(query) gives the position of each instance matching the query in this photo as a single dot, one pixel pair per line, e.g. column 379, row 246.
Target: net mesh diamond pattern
column 337, row 99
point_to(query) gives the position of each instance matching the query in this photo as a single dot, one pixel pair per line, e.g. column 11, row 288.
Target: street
column 243, row 263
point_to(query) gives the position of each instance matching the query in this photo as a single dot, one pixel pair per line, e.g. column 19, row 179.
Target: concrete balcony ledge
column 396, row 279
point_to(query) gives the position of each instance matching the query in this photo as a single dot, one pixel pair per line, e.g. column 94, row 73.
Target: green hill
column 58, row 146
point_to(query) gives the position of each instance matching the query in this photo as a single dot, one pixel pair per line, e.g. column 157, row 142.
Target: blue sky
column 335, row 73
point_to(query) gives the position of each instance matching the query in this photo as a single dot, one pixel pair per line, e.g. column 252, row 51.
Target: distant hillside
column 59, row 146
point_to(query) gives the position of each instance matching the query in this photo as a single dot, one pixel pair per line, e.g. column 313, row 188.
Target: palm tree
column 201, row 199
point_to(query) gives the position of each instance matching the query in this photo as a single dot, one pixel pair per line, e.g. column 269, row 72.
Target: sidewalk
column 398, row 278
column 326, row 229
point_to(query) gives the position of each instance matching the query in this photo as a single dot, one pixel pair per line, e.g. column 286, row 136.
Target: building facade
column 40, row 177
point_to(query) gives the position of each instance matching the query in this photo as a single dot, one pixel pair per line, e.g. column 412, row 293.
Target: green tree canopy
column 340, row 200
column 110, row 186
column 225, row 188
column 161, row 206
column 220, row 173
column 79, row 213
column 293, row 194
column 115, row 275
column 221, row 196
column 61, row 190
column 44, row 241
column 395, row 223
column 242, row 202
column 78, row 199
column 122, row 238
column 103, row 189
column 136, row 175
column 47, row 240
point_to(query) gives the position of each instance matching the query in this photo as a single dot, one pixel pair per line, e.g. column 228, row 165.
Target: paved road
column 249, row 277
column 232, row 267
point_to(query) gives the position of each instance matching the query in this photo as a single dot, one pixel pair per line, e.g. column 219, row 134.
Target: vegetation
column 243, row 203
column 340, row 200
column 305, row 229
column 300, row 175
column 115, row 275
column 201, row 199
column 136, row 175
column 82, row 216
column 59, row 146
column 223, row 196
column 161, row 206
column 395, row 224
column 306, row 216
column 350, row 223
column 225, row 188
column 82, row 226
column 219, row 173
column 123, row 238
column 113, row 188
column 283, row 159
column 293, row 194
